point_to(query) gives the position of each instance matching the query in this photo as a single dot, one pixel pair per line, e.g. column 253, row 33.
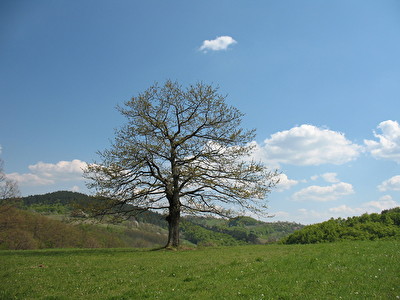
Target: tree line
column 385, row 225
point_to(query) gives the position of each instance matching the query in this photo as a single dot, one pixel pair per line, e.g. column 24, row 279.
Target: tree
column 181, row 150
column 9, row 191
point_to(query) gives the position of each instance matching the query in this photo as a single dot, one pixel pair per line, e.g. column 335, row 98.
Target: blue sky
column 319, row 80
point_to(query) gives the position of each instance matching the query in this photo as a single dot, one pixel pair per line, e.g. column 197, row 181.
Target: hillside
column 22, row 229
column 242, row 229
column 71, row 204
column 60, row 197
column 147, row 229
column 385, row 225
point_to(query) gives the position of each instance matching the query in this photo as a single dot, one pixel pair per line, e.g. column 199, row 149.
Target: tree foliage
column 244, row 229
column 66, row 198
column 204, row 237
column 182, row 150
column 366, row 227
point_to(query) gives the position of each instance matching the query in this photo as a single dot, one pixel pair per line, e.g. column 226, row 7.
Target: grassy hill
column 346, row 270
column 63, row 210
column 22, row 229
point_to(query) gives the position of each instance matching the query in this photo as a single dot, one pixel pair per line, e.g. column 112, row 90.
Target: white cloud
column 259, row 154
column 220, row 43
column 75, row 188
column 29, row 179
column 392, row 184
column 307, row 216
column 330, row 177
column 308, row 145
column 388, row 146
column 285, row 183
column 65, row 170
column 324, row 193
column 385, row 202
column 47, row 173
column 344, row 209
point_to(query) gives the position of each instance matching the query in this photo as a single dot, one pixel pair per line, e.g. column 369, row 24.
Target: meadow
column 343, row 270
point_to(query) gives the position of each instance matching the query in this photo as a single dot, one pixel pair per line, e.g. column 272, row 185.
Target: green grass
column 349, row 270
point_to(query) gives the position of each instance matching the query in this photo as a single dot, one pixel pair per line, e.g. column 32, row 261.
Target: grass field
column 350, row 270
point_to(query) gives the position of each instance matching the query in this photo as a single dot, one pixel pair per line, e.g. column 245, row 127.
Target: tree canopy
column 365, row 227
column 181, row 150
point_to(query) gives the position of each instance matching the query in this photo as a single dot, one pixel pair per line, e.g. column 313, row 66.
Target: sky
column 318, row 80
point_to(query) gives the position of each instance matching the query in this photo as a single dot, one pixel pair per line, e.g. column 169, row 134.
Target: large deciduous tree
column 181, row 150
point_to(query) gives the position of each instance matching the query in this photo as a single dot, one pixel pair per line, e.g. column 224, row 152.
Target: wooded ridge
column 57, row 220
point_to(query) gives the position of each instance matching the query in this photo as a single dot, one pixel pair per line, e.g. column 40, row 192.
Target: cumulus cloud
column 220, row 43
column 330, row 177
column 259, row 154
column 285, row 183
column 30, row 179
column 306, row 216
column 388, row 146
column 392, row 184
column 344, row 209
column 324, row 193
column 47, row 173
column 64, row 169
column 308, row 145
column 385, row 202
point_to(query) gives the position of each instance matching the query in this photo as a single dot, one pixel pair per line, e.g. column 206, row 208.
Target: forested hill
column 385, row 225
column 195, row 230
column 242, row 230
column 149, row 228
column 60, row 197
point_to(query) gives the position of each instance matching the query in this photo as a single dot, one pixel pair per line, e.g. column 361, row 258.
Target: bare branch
column 181, row 149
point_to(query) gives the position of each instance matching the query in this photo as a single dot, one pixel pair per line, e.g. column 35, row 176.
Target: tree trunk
column 173, row 226
column 174, row 203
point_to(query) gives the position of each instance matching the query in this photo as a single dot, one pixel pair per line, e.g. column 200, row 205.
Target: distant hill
column 51, row 220
column 147, row 227
column 66, row 202
column 60, row 197
column 242, row 229
column 385, row 225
